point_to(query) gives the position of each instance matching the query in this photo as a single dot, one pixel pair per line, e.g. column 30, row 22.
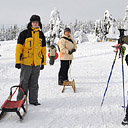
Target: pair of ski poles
column 122, row 55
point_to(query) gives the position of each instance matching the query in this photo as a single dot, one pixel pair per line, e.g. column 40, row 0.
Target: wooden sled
column 69, row 83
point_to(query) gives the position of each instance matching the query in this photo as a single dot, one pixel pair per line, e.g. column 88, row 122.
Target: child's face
column 67, row 33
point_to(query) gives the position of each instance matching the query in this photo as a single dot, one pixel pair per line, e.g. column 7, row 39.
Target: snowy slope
column 90, row 69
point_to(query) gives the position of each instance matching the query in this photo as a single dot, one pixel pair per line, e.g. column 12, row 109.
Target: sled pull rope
column 70, row 66
column 16, row 90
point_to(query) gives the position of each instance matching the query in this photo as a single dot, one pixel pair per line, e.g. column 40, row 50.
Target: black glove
column 126, row 59
column 42, row 67
column 73, row 50
column 70, row 52
column 18, row 66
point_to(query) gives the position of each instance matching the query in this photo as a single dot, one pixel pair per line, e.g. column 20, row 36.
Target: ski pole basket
column 15, row 106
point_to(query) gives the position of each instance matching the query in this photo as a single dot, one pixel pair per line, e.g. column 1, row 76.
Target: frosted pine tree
column 113, row 33
column 2, row 34
column 106, row 23
column 80, row 36
column 106, row 29
column 99, row 30
column 126, row 20
column 56, row 28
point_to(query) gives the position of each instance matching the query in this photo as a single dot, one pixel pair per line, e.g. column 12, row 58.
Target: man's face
column 35, row 24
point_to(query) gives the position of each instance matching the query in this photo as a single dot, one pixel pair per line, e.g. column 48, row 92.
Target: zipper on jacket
column 30, row 44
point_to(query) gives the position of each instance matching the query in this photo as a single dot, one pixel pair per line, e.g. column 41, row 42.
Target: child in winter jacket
column 52, row 51
column 67, row 46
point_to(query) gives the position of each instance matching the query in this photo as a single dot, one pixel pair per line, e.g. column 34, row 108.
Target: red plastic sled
column 56, row 57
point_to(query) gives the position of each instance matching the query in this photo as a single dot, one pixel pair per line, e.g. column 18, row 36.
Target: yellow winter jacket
column 31, row 48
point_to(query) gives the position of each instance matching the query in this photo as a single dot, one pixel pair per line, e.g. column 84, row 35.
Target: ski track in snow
column 90, row 69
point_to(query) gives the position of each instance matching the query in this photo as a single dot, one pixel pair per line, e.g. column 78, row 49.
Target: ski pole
column 122, row 54
column 109, row 79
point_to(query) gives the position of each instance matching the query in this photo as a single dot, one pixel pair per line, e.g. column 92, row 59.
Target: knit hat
column 67, row 30
column 35, row 18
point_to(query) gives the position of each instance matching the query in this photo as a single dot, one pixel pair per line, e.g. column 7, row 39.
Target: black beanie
column 67, row 30
column 34, row 18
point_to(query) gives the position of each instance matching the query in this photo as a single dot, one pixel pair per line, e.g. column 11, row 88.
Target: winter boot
column 125, row 121
column 35, row 104
column 60, row 82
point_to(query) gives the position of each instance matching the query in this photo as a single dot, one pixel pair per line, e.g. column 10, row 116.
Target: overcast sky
column 20, row 11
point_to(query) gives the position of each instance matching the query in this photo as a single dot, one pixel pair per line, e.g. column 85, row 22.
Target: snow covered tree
column 106, row 23
column 99, row 30
column 10, row 33
column 55, row 28
column 80, row 30
column 106, row 29
column 2, row 34
column 126, row 20
column 126, row 15
column 80, row 36
column 113, row 33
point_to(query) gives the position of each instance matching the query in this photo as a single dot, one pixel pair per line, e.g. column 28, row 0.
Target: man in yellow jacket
column 67, row 46
column 31, row 58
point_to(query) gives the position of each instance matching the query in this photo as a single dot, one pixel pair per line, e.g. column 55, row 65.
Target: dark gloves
column 70, row 52
column 126, row 59
column 18, row 66
column 41, row 67
column 73, row 50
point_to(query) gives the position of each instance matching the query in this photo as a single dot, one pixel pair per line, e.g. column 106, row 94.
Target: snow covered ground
column 90, row 69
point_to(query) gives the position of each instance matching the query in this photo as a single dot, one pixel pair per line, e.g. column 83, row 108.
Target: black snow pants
column 63, row 73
